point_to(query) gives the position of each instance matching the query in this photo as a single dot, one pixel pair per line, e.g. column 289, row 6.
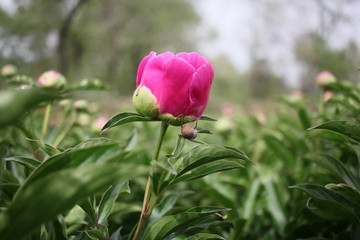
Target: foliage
column 302, row 181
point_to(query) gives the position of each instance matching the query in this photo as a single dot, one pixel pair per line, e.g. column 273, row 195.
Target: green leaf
column 166, row 204
column 201, row 161
column 347, row 128
column 116, row 235
column 342, row 171
column 132, row 141
column 205, row 118
column 46, row 148
column 26, row 162
column 205, row 154
column 169, row 227
column 275, row 206
column 204, row 131
column 73, row 158
column 36, row 204
column 178, row 148
column 126, row 117
column 108, row 199
column 9, row 189
column 330, row 204
column 304, row 117
column 206, row 169
column 204, row 236
column 89, row 208
column 347, row 89
column 95, row 234
column 14, row 103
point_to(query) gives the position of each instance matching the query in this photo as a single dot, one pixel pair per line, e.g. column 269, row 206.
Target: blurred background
column 260, row 48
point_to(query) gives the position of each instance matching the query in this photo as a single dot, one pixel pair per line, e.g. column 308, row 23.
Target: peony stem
column 63, row 133
column 46, row 121
column 145, row 207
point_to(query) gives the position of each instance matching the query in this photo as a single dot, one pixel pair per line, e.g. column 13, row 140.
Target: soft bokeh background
column 260, row 49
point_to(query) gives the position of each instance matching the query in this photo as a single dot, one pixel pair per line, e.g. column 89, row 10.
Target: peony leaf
column 169, row 227
column 332, row 203
column 36, row 204
column 347, row 128
column 26, row 162
column 126, row 117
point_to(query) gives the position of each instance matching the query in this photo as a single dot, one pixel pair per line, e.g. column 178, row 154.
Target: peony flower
column 174, row 88
column 324, row 78
column 52, row 79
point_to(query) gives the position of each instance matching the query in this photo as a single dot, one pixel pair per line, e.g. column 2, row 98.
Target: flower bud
column 8, row 70
column 145, row 102
column 224, row 126
column 324, row 78
column 328, row 95
column 188, row 132
column 81, row 105
column 173, row 87
column 83, row 119
column 98, row 124
column 52, row 79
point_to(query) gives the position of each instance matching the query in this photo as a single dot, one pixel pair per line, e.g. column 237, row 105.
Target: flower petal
column 193, row 58
column 175, row 84
column 154, row 71
column 199, row 90
column 142, row 66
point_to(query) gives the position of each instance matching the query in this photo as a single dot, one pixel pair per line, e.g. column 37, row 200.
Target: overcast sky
column 274, row 25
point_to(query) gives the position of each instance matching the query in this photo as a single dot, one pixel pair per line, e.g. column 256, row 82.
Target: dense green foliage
column 70, row 183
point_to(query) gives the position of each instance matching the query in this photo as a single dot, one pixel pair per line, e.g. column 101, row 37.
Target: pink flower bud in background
column 324, row 78
column 81, row 105
column 228, row 109
column 328, row 95
column 8, row 70
column 172, row 87
column 52, row 79
column 98, row 124
column 297, row 94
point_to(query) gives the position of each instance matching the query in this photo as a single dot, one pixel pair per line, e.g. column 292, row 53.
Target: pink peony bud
column 174, row 88
column 8, row 70
column 52, row 79
column 324, row 78
column 81, row 105
column 328, row 95
column 98, row 124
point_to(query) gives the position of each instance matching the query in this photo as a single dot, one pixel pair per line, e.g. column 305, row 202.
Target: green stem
column 46, row 121
column 63, row 133
column 144, row 211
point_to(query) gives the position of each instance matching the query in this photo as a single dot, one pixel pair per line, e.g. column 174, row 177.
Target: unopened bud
column 188, row 132
column 328, row 95
column 8, row 70
column 52, row 79
column 324, row 78
column 224, row 126
column 81, row 105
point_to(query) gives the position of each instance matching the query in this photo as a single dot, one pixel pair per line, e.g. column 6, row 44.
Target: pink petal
column 154, row 71
column 200, row 90
column 142, row 66
column 193, row 58
column 175, row 85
